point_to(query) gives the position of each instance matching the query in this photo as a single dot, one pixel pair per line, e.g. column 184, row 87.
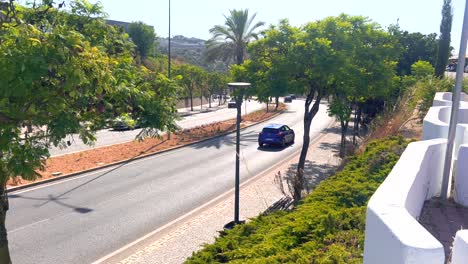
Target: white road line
column 26, row 226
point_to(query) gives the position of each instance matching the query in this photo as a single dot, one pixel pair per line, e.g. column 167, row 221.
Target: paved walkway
column 197, row 109
column 443, row 219
column 177, row 242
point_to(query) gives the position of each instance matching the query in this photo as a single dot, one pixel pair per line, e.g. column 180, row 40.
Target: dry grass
column 401, row 120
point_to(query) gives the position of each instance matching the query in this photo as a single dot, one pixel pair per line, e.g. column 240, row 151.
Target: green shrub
column 326, row 227
column 421, row 69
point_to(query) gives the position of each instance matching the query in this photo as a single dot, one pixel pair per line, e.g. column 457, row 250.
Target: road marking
column 28, row 225
column 209, row 203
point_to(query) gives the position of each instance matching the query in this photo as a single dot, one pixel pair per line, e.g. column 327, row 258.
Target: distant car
column 276, row 134
column 232, row 104
column 452, row 67
column 124, row 122
column 293, row 96
column 288, row 99
column 466, row 68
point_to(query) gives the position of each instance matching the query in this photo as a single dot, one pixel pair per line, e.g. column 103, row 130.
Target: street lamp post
column 445, row 193
column 238, row 88
column 169, row 45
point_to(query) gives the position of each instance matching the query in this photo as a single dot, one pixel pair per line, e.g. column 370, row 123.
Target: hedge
column 326, row 227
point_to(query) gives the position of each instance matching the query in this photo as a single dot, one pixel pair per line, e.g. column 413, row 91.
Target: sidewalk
column 178, row 240
column 197, row 109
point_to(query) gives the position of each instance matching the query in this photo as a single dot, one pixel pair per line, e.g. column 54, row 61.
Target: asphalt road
column 109, row 137
column 84, row 218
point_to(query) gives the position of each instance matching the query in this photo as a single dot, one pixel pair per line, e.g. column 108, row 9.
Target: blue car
column 276, row 134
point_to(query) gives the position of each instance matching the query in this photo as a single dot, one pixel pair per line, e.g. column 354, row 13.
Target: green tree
column 144, row 38
column 365, row 74
column 229, row 41
column 270, row 61
column 443, row 51
column 216, row 84
column 56, row 81
column 190, row 79
column 413, row 47
column 348, row 57
column 421, row 69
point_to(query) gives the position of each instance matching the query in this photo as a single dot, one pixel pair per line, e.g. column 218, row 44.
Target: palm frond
column 236, row 33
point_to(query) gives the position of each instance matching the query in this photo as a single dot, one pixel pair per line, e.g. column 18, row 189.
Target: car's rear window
column 270, row 130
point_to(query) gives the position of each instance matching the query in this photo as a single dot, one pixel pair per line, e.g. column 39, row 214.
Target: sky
column 194, row 18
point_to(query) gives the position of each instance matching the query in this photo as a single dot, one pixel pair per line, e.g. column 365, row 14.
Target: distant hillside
column 189, row 50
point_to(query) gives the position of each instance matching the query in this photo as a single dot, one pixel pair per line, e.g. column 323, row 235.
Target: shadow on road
column 332, row 130
column 274, row 148
column 58, row 199
column 246, row 139
column 51, row 198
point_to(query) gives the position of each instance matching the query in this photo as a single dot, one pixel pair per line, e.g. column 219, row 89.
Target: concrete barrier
column 393, row 234
column 445, row 99
column 461, row 177
column 436, row 125
column 460, row 248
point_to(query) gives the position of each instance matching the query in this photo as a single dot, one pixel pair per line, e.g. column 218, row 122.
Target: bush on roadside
column 326, row 227
column 422, row 69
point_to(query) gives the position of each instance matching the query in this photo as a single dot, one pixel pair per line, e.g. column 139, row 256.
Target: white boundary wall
column 445, row 99
column 460, row 248
column 393, row 234
column 461, row 178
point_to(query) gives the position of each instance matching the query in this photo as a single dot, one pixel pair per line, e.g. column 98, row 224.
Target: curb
column 207, row 110
column 73, row 174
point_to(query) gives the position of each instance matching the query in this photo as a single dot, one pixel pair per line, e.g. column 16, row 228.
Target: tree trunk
column 357, row 119
column 240, row 55
column 308, row 116
column 201, row 102
column 344, row 130
column 267, row 106
column 277, row 102
column 4, row 250
column 209, row 101
column 191, row 100
column 219, row 100
column 355, row 128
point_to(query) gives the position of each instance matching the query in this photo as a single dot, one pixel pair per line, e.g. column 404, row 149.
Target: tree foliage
column 229, row 41
column 421, row 69
column 346, row 57
column 413, row 47
column 63, row 73
column 443, row 51
column 144, row 38
column 191, row 78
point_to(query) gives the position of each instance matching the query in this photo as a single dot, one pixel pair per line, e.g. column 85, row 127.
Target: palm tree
column 230, row 40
